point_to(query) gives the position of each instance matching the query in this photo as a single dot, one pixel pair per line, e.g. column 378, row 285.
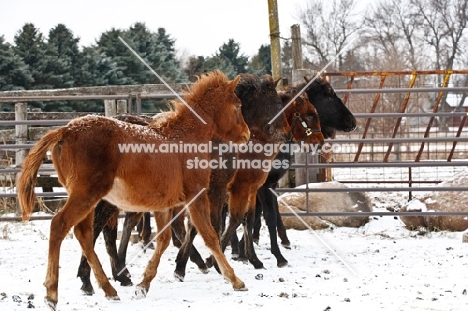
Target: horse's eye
column 310, row 116
column 239, row 107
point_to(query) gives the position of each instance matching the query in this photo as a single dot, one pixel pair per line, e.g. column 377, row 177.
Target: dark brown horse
column 305, row 126
column 91, row 167
column 334, row 116
column 260, row 104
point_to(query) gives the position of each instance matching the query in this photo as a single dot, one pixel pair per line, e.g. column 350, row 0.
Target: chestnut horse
column 252, row 178
column 86, row 157
column 260, row 103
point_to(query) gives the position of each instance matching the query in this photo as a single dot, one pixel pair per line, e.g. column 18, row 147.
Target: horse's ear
column 234, row 83
column 306, row 80
column 277, row 81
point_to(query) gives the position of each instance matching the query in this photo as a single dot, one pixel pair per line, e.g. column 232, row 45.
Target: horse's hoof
column 51, row 304
column 87, row 291
column 234, row 256
column 259, row 265
column 179, row 276
column 209, row 262
column 204, row 270
column 242, row 259
column 286, row 245
column 242, row 288
column 126, row 283
column 140, row 292
column 282, row 264
column 147, row 245
column 113, row 298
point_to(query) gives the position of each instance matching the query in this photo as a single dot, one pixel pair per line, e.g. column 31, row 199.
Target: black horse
column 333, row 116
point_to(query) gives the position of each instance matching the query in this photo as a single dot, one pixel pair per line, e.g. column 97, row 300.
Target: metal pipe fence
column 381, row 148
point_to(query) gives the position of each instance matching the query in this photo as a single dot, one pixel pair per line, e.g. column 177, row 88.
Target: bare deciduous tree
column 328, row 28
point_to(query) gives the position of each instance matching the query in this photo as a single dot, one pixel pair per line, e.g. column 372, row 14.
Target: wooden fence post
column 121, row 106
column 302, row 176
column 21, row 137
column 275, row 45
column 110, row 108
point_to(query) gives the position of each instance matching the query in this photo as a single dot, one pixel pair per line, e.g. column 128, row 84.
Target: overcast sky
column 197, row 31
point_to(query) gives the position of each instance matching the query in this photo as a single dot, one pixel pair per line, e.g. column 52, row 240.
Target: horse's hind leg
column 200, row 215
column 163, row 238
column 281, row 228
column 76, row 212
column 83, row 233
column 270, row 208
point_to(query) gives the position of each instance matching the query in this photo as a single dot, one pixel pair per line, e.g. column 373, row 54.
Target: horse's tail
column 28, row 177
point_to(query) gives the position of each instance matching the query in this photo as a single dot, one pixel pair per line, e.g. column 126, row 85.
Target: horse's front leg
column 200, row 216
column 248, row 240
column 131, row 220
column 84, row 234
column 163, row 238
column 84, row 270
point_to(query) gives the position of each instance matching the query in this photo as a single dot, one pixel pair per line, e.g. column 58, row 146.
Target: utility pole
column 275, row 42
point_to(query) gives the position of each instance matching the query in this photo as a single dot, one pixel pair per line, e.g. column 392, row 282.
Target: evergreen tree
column 113, row 58
column 14, row 73
column 261, row 63
column 29, row 45
column 195, row 66
column 230, row 52
column 62, row 59
column 221, row 63
column 157, row 49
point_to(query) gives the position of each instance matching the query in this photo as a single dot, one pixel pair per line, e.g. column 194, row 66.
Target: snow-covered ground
column 383, row 266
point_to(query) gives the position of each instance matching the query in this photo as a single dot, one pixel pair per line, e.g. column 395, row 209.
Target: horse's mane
column 196, row 95
column 205, row 83
column 248, row 82
column 318, row 85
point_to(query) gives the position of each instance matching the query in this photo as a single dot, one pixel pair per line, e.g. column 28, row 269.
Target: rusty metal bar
column 349, row 87
column 431, row 120
column 460, row 128
column 398, row 121
column 368, row 122
column 453, row 89
column 393, row 73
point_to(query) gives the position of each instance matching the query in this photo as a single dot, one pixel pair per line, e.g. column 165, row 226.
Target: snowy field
column 380, row 266
column 383, row 266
